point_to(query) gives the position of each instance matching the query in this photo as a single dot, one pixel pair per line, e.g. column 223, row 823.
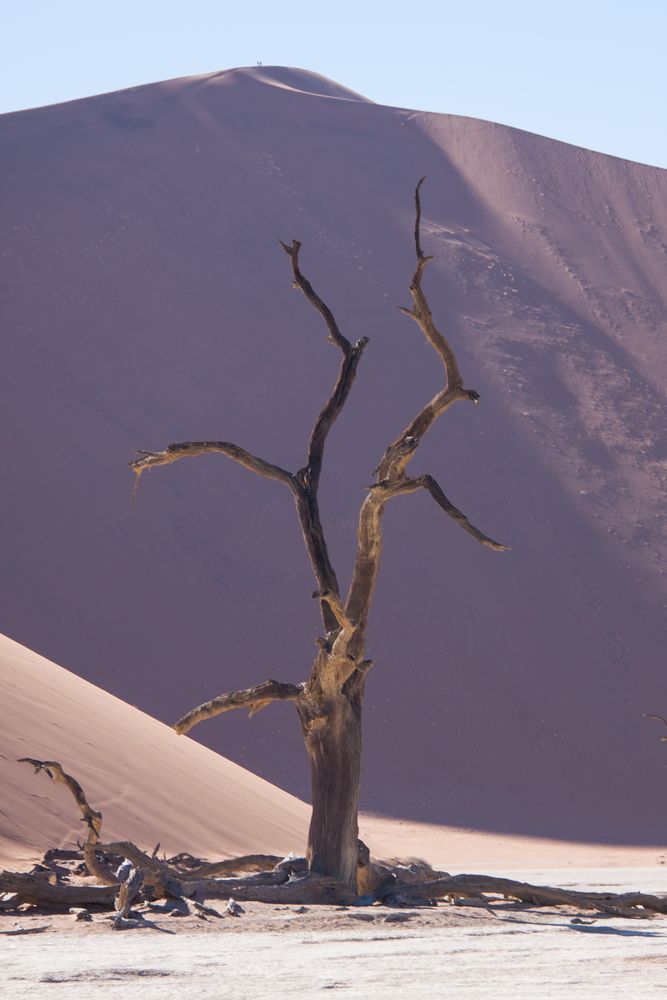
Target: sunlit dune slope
column 150, row 784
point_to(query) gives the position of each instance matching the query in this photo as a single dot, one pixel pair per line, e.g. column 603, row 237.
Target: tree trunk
column 332, row 733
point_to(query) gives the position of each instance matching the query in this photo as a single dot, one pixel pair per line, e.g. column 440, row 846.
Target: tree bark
column 332, row 733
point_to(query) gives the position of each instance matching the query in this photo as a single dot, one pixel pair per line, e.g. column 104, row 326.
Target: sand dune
column 146, row 301
column 150, row 784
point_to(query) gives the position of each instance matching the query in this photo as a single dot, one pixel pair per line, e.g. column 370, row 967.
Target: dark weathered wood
column 54, row 770
column 335, row 336
column 30, row 889
column 222, row 888
column 536, row 895
column 310, row 889
column 247, row 863
column 429, row 484
column 91, row 817
column 386, row 883
column 391, row 479
column 309, row 477
column 332, row 732
column 191, row 449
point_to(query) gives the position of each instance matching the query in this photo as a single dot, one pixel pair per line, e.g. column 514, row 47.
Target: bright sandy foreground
column 276, row 952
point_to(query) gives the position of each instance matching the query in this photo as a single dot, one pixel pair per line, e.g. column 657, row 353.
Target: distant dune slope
column 150, row 784
column 145, row 300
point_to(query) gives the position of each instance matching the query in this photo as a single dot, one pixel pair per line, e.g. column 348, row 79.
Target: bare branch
column 191, row 449
column 55, row 772
column 91, row 817
column 31, row 889
column 309, row 476
column 335, row 336
column 658, row 718
column 421, row 312
column 390, row 474
column 248, row 863
column 396, row 456
column 428, row 483
column 418, row 218
column 308, row 512
column 332, row 408
column 254, row 699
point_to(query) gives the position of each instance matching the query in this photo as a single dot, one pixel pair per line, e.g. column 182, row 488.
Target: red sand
column 145, row 301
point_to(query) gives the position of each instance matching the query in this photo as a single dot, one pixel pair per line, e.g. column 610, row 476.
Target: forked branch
column 391, row 477
column 304, row 485
column 309, row 476
column 399, row 453
column 421, row 311
column 346, row 375
column 254, row 699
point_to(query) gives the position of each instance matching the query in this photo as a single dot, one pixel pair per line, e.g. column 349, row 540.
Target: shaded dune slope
column 146, row 301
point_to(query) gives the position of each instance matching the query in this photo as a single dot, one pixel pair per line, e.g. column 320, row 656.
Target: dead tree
column 329, row 702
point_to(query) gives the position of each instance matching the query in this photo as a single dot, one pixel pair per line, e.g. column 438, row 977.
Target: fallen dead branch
column 27, row 930
column 303, row 890
column 142, row 878
column 30, row 888
column 90, row 816
column 478, row 886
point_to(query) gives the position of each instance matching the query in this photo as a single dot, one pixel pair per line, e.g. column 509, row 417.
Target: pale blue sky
column 590, row 72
